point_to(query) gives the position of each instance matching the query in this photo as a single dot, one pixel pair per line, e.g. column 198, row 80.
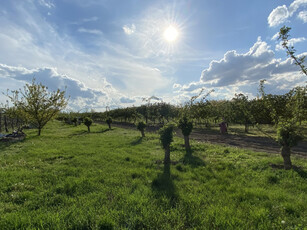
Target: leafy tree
column 186, row 126
column 287, row 137
column 141, row 127
column 38, row 104
column 166, row 138
column 109, row 122
column 88, row 122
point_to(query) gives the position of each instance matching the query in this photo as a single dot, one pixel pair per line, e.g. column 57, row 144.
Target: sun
column 170, row 33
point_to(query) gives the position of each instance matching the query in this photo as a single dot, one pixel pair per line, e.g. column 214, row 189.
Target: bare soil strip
column 258, row 144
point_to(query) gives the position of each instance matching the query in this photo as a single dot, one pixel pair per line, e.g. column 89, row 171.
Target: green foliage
column 38, row 104
column 186, row 125
column 288, row 135
column 166, row 135
column 141, row 126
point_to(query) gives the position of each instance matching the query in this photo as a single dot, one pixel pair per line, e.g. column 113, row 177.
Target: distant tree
column 88, row 122
column 186, row 126
column 38, row 104
column 166, row 138
column 141, row 127
column 109, row 122
column 242, row 110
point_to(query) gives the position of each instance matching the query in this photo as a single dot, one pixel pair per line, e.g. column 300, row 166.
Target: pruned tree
column 109, row 121
column 288, row 137
column 186, row 126
column 141, row 126
column 38, row 104
column 166, row 138
column 88, row 122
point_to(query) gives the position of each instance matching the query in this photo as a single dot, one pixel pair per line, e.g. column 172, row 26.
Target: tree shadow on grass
column 192, row 160
column 295, row 168
column 79, row 133
column 163, row 185
column 137, row 141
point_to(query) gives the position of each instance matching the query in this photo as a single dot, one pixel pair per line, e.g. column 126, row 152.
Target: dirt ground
column 258, row 144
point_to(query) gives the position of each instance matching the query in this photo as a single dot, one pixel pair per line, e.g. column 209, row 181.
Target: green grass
column 114, row 179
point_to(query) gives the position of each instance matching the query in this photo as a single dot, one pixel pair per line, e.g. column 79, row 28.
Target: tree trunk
column 0, row 121
column 5, row 124
column 167, row 157
column 88, row 129
column 246, row 128
column 143, row 133
column 286, row 155
column 109, row 126
column 187, row 143
column 39, row 131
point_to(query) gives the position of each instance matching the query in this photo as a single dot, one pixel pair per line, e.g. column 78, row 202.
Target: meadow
column 68, row 178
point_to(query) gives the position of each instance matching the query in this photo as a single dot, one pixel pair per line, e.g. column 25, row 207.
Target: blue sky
column 114, row 52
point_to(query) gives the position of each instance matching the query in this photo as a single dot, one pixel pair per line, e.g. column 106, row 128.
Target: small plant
column 109, row 122
column 186, row 126
column 287, row 137
column 88, row 122
column 166, row 138
column 141, row 126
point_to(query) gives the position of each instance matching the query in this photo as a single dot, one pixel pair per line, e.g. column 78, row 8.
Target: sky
column 115, row 53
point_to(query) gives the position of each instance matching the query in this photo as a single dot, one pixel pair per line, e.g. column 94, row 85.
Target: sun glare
column 170, row 34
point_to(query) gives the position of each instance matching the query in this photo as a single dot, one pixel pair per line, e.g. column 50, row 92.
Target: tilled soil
column 258, row 144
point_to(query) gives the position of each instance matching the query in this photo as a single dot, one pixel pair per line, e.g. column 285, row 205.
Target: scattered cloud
column 303, row 16
column 46, row 3
column 281, row 13
column 241, row 72
column 80, row 96
column 90, row 31
column 129, row 29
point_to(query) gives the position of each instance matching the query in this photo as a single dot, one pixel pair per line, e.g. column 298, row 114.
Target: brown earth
column 258, row 144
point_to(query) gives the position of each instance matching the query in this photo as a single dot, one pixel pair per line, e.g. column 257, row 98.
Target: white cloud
column 275, row 36
column 278, row 16
column 129, row 29
column 241, row 72
column 281, row 13
column 47, row 4
column 90, row 31
column 303, row 16
column 80, row 96
column 291, row 42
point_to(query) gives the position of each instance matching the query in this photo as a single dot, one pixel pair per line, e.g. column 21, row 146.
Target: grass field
column 114, row 179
